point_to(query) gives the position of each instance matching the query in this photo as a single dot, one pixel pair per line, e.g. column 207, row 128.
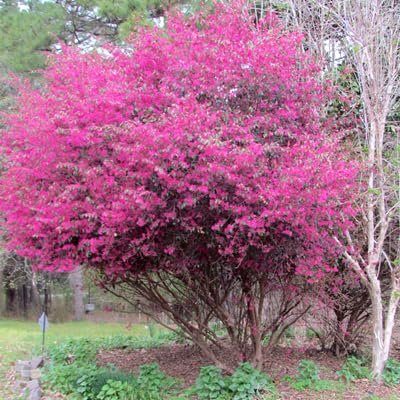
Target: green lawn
column 19, row 339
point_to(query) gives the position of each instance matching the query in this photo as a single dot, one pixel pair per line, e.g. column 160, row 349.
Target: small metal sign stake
column 43, row 320
column 44, row 324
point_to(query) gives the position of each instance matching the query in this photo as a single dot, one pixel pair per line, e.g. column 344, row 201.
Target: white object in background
column 43, row 322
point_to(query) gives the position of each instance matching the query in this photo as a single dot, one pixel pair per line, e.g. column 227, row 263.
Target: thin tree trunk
column 368, row 33
column 390, row 319
column 378, row 357
column 382, row 332
column 76, row 282
column 2, row 291
column 34, row 296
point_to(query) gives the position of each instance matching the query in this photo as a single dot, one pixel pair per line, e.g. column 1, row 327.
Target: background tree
column 77, row 285
column 21, row 295
column 102, row 21
column 365, row 35
column 199, row 188
column 374, row 32
column 28, row 30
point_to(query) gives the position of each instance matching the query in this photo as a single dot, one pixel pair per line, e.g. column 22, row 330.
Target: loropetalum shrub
column 198, row 170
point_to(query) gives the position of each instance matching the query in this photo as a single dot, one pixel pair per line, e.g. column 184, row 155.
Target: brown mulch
column 176, row 360
column 183, row 361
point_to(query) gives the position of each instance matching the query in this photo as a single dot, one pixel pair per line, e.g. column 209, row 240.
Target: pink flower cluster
column 208, row 142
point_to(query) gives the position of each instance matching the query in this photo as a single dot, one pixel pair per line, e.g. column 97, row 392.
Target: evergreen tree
column 31, row 27
column 28, row 30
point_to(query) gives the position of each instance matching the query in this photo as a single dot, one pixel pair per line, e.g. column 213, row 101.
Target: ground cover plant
column 354, row 368
column 20, row 340
column 73, row 371
column 308, row 377
column 82, row 366
column 391, row 373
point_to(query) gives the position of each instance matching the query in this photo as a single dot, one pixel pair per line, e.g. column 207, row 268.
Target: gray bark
column 76, row 281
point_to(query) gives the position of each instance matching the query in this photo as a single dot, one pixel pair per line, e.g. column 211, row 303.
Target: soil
column 183, row 361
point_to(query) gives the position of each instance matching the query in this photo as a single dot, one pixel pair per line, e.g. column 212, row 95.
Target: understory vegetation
column 19, row 339
column 73, row 370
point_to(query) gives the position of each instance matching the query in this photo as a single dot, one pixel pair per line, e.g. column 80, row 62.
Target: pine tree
column 28, row 31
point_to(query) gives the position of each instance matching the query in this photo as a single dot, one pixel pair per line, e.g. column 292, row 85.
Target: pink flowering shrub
column 199, row 168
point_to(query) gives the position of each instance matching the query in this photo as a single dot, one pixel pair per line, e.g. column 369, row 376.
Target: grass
column 372, row 397
column 20, row 339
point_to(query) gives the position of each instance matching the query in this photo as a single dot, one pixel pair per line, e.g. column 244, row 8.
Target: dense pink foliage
column 207, row 144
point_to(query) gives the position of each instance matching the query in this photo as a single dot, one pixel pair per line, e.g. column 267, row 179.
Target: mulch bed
column 183, row 361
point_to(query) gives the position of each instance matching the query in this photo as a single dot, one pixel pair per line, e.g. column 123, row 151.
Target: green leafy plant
column 248, row 382
column 219, row 329
column 115, row 390
column 289, row 333
column 84, row 385
column 79, row 351
column 154, row 381
column 110, row 374
column 308, row 375
column 308, row 378
column 210, row 384
column 73, row 371
column 311, row 334
column 62, row 377
column 353, row 369
column 391, row 373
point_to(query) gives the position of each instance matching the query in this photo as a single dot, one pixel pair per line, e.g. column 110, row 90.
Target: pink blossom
column 206, row 143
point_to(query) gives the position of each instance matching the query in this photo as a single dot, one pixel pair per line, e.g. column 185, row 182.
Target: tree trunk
column 34, row 295
column 382, row 329
column 369, row 34
column 76, row 282
column 378, row 356
column 257, row 358
column 10, row 294
column 2, row 290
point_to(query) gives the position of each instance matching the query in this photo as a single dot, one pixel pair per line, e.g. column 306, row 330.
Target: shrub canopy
column 204, row 150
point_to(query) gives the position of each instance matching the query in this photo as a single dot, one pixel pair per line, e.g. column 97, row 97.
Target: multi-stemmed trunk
column 383, row 324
